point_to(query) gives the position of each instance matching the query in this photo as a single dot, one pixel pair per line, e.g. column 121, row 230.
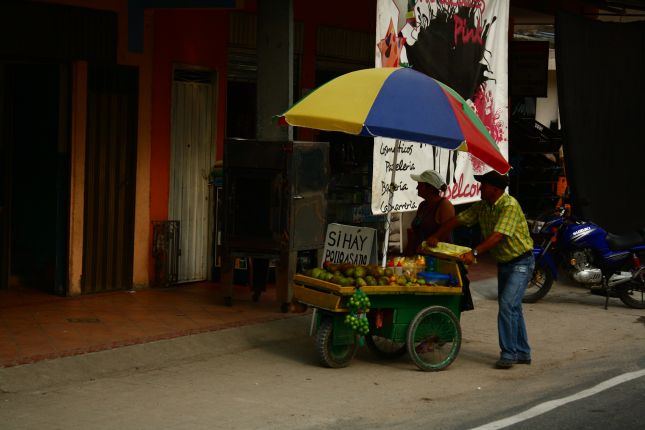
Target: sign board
column 464, row 44
column 350, row 244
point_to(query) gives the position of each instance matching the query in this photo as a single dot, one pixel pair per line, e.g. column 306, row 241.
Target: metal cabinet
column 274, row 205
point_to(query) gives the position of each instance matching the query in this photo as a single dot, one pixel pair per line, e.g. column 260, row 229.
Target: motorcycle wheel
column 633, row 296
column 539, row 285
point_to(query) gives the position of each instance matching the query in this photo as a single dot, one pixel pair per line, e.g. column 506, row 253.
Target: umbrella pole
column 386, row 239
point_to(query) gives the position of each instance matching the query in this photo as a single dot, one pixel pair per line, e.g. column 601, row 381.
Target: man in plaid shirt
column 506, row 236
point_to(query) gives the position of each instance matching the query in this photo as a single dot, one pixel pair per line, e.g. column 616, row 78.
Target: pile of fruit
column 346, row 274
column 359, row 303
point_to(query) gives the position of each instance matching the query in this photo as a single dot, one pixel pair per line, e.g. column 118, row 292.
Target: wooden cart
column 420, row 320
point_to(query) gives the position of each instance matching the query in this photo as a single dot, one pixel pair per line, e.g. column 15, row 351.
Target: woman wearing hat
column 433, row 211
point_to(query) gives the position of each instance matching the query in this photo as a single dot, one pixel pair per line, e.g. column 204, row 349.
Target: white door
column 192, row 156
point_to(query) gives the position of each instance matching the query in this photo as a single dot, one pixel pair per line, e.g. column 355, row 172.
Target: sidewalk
column 36, row 326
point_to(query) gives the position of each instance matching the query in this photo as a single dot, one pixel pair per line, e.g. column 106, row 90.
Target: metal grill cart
column 274, row 206
column 420, row 320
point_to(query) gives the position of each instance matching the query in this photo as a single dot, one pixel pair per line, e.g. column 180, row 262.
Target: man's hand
column 467, row 258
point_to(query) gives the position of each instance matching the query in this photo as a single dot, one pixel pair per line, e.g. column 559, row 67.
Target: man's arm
column 493, row 239
column 506, row 224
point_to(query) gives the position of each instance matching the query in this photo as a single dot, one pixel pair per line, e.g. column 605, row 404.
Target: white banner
column 462, row 43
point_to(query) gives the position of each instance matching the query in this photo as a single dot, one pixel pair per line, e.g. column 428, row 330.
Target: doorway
column 193, row 131
column 110, row 170
column 34, row 183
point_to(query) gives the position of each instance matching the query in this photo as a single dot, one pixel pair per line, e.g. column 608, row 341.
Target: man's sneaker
column 524, row 361
column 505, row 363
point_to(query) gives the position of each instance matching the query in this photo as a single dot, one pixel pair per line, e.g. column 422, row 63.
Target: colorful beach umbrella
column 399, row 103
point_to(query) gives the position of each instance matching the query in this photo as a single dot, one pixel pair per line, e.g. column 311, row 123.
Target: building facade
column 115, row 112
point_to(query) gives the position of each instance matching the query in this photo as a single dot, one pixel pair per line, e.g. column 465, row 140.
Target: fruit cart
column 422, row 320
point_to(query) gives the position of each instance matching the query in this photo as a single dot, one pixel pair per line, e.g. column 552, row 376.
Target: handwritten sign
column 392, row 177
column 350, row 244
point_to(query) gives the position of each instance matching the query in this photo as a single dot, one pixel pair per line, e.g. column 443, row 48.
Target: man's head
column 493, row 185
column 429, row 179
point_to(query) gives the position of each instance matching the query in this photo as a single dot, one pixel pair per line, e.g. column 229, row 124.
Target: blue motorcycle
column 609, row 264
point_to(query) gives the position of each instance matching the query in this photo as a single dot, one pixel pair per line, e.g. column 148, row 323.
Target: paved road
column 618, row 408
column 267, row 377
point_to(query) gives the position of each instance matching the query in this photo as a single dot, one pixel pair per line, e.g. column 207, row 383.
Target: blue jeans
column 512, row 279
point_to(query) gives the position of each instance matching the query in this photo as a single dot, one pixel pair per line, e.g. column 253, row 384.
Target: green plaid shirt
column 506, row 217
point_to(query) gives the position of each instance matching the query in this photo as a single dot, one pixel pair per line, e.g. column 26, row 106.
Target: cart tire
column 385, row 347
column 434, row 338
column 334, row 356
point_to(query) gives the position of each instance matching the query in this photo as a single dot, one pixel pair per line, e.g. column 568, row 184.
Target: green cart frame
column 420, row 320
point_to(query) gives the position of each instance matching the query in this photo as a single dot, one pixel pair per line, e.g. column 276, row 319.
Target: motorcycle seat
column 619, row 242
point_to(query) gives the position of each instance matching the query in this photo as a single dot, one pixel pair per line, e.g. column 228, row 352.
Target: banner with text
column 462, row 43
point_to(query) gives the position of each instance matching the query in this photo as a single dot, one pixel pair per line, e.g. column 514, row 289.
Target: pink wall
column 200, row 37
column 358, row 15
column 192, row 37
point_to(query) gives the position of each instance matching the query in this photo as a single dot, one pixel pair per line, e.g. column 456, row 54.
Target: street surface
column 267, row 376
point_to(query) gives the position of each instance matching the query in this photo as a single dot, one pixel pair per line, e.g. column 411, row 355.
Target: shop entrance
column 33, row 182
column 110, row 166
column 191, row 160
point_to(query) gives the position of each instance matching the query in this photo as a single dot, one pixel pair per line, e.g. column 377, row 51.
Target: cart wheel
column 385, row 347
column 434, row 338
column 334, row 356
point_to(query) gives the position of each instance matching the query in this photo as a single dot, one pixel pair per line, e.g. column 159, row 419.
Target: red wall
column 192, row 37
